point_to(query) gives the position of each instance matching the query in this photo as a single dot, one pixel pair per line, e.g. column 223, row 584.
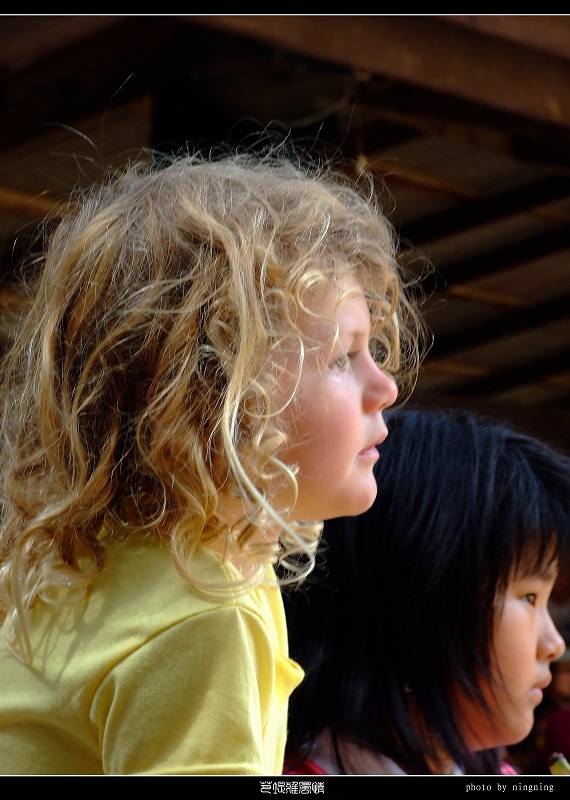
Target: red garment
column 308, row 767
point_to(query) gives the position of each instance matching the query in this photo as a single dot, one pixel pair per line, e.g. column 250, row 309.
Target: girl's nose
column 552, row 642
column 381, row 391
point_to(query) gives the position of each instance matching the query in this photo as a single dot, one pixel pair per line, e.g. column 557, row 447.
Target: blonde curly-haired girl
column 198, row 381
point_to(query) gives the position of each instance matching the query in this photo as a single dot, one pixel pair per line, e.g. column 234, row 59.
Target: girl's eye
column 530, row 598
column 341, row 363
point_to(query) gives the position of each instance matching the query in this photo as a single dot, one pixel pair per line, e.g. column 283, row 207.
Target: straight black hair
column 406, row 601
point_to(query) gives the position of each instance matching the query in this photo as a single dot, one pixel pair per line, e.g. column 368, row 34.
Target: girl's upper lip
column 380, row 440
column 373, row 446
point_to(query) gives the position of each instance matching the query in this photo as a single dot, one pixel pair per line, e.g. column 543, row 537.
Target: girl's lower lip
column 536, row 694
column 370, row 452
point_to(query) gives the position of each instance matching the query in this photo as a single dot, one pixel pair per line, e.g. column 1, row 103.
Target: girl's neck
column 358, row 760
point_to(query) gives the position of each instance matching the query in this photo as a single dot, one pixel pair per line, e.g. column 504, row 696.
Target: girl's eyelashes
column 530, row 598
column 341, row 363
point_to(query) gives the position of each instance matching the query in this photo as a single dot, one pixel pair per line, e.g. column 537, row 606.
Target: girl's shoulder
column 145, row 573
column 140, row 593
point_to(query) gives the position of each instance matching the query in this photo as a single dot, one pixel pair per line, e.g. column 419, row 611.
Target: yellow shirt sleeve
column 206, row 696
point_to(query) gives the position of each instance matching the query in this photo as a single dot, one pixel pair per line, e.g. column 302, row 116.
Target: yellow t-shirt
column 145, row 677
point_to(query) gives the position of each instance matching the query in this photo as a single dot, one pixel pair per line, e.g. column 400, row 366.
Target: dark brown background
column 464, row 119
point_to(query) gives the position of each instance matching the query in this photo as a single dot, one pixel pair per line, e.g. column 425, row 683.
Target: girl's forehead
column 332, row 307
column 325, row 298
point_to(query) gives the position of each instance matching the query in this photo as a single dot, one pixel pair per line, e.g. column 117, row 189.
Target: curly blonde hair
column 138, row 387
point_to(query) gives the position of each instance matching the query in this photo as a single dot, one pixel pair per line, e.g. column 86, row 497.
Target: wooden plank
column 535, row 372
column 499, row 259
column 517, row 321
column 115, row 65
column 424, row 50
column 25, row 39
column 34, row 206
column 528, row 199
column 550, row 32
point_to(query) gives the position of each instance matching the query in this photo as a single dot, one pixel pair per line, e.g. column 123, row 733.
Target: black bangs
column 533, row 501
column 539, row 556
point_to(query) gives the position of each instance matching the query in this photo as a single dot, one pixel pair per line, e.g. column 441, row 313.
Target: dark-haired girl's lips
column 536, row 694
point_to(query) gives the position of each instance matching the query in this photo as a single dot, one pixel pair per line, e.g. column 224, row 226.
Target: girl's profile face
column 335, row 418
column 525, row 643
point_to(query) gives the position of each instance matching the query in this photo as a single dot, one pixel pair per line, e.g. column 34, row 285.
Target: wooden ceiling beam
column 428, row 51
column 547, row 32
column 481, row 211
column 499, row 260
column 528, row 373
column 514, row 322
column 28, row 205
column 113, row 66
column 432, row 113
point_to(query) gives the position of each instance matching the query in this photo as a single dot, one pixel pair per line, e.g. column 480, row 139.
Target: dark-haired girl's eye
column 531, row 598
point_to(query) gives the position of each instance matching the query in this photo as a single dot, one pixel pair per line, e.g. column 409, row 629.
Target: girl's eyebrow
column 353, row 326
column 354, row 332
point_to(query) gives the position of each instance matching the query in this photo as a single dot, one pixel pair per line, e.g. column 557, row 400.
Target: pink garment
column 309, row 767
column 306, row 767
